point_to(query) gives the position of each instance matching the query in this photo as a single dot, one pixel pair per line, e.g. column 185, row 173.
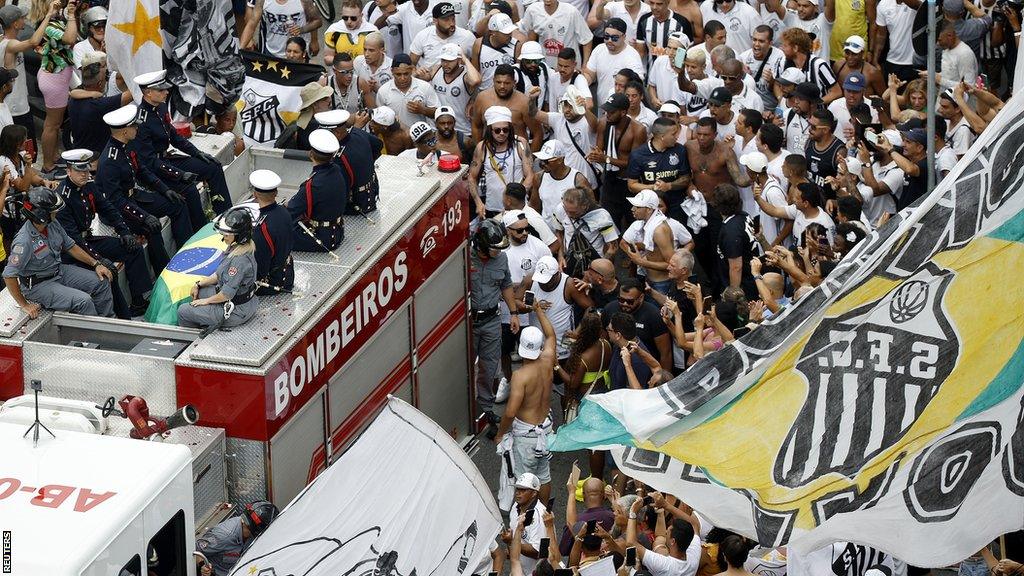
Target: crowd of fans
column 666, row 175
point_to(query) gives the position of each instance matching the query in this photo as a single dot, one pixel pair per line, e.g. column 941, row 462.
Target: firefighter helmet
column 490, row 235
column 236, row 221
column 40, row 204
column 257, row 516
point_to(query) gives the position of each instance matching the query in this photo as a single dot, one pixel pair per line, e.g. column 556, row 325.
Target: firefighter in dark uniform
column 182, row 173
column 489, row 282
column 221, row 546
column 319, row 203
column 359, row 151
column 273, row 236
column 227, row 297
column 35, row 276
column 82, row 202
column 140, row 208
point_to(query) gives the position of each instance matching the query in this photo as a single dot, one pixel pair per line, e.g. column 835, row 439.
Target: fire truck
column 281, row 396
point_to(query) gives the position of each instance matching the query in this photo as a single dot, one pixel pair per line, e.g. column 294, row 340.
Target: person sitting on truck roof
column 34, row 274
column 425, row 138
column 359, row 151
column 275, row 272
column 234, row 280
column 319, row 204
column 222, row 546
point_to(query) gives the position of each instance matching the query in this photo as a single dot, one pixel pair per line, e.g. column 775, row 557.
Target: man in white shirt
column 629, row 11
column 679, row 548
column 733, row 79
column 770, row 142
column 739, row 18
column 959, row 135
column 881, row 181
column 853, row 94
column 770, row 191
column 959, row 64
column 720, row 107
column 612, row 55
column 7, row 77
column 764, row 63
column 413, row 16
column 372, row 68
column 662, row 83
column 527, row 487
column 523, row 252
column 894, row 21
column 805, row 211
column 817, row 24
column 575, row 126
column 412, row 99
column 568, row 75
column 426, row 46
column 556, row 25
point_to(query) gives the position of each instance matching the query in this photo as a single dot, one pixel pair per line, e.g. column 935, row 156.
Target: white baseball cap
column 854, row 44
column 510, row 217
column 531, row 51
column 527, row 480
column 792, row 75
column 451, row 51
column 502, row 23
column 443, row 111
column 264, row 180
column 531, row 342
column 383, row 115
column 324, row 141
column 670, row 108
column 551, row 149
column 894, row 137
column 545, row 270
column 754, row 161
column 645, row 199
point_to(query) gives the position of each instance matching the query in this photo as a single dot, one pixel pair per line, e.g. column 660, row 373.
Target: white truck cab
column 90, row 505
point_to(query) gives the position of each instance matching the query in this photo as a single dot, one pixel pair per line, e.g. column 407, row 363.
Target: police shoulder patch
column 232, row 271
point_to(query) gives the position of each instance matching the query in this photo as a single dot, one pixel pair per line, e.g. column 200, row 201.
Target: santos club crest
column 888, row 356
column 260, row 118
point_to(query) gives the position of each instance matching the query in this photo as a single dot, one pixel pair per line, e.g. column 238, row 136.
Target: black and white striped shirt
column 654, row 33
column 817, row 70
column 988, row 51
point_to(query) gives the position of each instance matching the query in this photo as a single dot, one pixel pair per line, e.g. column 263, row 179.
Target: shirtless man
column 854, row 61
column 617, row 135
column 713, row 162
column 384, row 125
column 529, row 401
column 656, row 244
column 690, row 10
column 504, row 93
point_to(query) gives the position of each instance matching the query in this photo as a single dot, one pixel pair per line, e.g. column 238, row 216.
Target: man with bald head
column 594, row 509
column 599, row 282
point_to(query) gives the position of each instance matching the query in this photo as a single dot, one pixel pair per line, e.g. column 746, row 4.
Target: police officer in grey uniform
column 228, row 297
column 489, row 282
column 35, row 276
column 222, row 545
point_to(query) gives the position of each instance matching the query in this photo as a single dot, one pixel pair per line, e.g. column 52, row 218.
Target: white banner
column 403, row 499
column 134, row 39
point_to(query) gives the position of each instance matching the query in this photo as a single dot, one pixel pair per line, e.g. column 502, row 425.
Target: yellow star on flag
column 143, row 29
column 253, row 569
column 257, row 66
column 285, row 72
column 271, row 64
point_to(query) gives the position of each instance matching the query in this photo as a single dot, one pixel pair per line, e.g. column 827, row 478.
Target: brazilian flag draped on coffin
column 270, row 95
column 884, row 409
column 199, row 257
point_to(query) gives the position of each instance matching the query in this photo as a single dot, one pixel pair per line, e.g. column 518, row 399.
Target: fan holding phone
column 676, row 546
column 529, row 511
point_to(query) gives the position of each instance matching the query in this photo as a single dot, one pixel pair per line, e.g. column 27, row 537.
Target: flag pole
column 932, row 96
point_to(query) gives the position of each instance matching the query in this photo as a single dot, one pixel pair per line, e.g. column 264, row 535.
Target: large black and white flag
column 270, row 95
